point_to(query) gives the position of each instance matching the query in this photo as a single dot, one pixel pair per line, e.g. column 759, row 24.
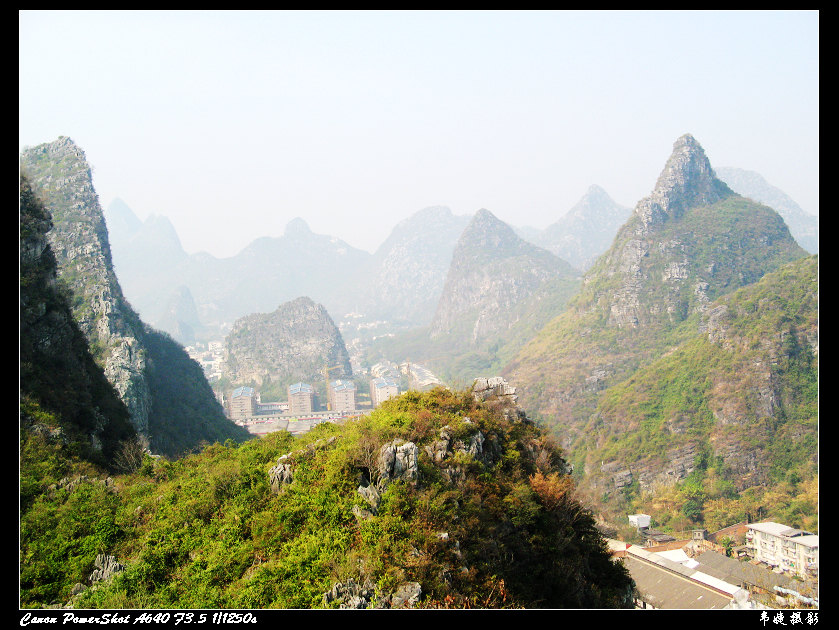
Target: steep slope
column 690, row 241
column 134, row 357
column 57, row 372
column 586, row 230
column 293, row 343
column 738, row 397
column 803, row 226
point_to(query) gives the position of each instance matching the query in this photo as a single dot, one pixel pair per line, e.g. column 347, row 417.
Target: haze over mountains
column 190, row 295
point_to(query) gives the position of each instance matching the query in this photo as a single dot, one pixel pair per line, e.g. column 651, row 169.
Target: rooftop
column 665, row 583
column 242, row 391
column 300, row 388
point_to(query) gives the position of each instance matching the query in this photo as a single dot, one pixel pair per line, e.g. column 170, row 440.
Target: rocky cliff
column 141, row 363
column 61, row 176
column 293, row 343
column 57, row 372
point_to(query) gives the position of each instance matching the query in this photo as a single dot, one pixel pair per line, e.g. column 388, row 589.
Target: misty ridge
column 197, row 297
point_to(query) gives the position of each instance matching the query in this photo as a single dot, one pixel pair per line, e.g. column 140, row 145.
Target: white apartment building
column 792, row 550
column 381, row 389
column 342, row 395
column 301, row 398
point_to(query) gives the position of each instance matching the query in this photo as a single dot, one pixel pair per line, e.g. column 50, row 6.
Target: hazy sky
column 233, row 123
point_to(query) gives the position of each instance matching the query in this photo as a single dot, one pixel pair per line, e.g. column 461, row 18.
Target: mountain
column 691, row 241
column 403, row 281
column 146, row 255
column 493, row 272
column 499, row 290
column 732, row 410
column 58, row 375
column 293, row 343
column 169, row 400
column 803, row 226
column 181, row 317
column 586, row 230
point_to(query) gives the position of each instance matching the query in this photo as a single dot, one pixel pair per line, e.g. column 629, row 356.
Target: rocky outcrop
column 354, row 595
column 687, row 181
column 286, row 346
column 106, row 568
column 398, row 462
column 282, row 473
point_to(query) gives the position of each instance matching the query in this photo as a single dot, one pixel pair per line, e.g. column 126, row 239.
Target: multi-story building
column 792, row 550
column 301, row 398
column 381, row 389
column 242, row 403
column 342, row 395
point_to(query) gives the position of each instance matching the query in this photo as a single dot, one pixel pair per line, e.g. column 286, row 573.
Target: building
column 242, row 403
column 381, row 389
column 341, row 395
column 680, row 583
column 641, row 521
column 791, row 550
column 301, row 398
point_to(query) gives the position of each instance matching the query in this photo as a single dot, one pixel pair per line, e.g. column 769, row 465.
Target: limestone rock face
column 398, row 462
column 687, row 181
column 61, row 176
column 106, row 568
column 288, row 345
column 169, row 401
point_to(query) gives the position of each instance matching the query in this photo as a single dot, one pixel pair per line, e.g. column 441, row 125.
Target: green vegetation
column 208, row 531
column 748, row 398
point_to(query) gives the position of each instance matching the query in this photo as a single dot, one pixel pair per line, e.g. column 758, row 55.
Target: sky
column 231, row 124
